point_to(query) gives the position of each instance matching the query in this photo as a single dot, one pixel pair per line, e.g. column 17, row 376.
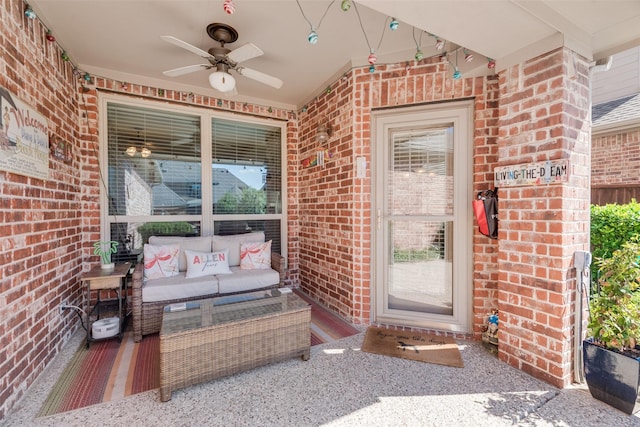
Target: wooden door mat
column 413, row 345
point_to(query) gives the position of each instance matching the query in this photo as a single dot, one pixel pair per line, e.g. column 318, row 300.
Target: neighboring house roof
column 618, row 114
column 164, row 197
column 180, row 176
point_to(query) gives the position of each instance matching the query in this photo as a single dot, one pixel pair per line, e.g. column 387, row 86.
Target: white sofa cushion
column 247, row 280
column 178, row 287
column 234, row 242
column 199, row 244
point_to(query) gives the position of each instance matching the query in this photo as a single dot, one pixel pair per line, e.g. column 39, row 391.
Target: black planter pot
column 612, row 377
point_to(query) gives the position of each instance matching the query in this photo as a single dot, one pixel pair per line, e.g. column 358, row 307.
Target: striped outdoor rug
column 110, row 370
column 326, row 326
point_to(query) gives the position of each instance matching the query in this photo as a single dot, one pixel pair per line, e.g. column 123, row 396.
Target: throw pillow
column 161, row 260
column 207, row 263
column 201, row 244
column 234, row 242
column 255, row 256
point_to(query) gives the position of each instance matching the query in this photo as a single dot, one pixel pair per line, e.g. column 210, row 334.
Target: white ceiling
column 121, row 39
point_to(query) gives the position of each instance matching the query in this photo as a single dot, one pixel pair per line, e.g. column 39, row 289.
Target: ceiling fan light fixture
column 222, row 81
column 145, row 152
column 131, row 151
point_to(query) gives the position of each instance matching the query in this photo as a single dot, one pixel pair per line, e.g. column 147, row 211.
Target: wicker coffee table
column 216, row 337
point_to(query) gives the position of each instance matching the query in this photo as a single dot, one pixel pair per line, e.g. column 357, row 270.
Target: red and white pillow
column 255, row 255
column 161, row 260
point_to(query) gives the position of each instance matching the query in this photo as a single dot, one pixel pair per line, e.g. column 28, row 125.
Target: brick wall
column 41, row 226
column 334, row 205
column 615, row 167
column 543, row 116
column 485, row 159
column 615, row 158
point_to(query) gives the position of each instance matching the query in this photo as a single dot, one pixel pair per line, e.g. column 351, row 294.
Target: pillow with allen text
column 161, row 260
column 207, row 263
column 255, row 256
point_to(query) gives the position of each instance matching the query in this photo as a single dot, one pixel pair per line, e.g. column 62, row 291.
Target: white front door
column 422, row 208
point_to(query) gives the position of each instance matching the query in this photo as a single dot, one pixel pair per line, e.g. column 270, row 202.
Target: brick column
column 544, row 115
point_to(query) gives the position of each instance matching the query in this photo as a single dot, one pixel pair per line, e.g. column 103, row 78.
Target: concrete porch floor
column 342, row 386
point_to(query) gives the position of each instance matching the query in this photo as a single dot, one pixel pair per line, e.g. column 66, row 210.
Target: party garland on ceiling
column 393, row 25
column 229, row 8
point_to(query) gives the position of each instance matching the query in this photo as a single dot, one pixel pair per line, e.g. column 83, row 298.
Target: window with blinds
column 154, row 162
column 157, row 178
column 246, row 170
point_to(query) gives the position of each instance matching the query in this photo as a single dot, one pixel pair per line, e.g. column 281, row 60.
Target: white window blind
column 154, row 161
column 155, row 173
column 246, row 167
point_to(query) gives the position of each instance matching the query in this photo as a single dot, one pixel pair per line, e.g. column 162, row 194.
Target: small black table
column 100, row 279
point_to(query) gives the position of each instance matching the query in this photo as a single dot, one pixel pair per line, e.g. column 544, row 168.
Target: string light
column 491, row 64
column 394, row 24
column 345, row 5
column 372, row 58
column 229, row 7
column 29, row 13
column 372, row 52
column 312, row 38
column 468, row 56
column 456, row 73
column 439, row 43
column 419, row 55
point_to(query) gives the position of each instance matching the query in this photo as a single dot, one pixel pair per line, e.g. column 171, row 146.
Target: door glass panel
column 420, row 271
column 421, row 172
column 420, row 205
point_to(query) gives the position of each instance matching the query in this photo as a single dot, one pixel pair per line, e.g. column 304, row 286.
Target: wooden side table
column 99, row 279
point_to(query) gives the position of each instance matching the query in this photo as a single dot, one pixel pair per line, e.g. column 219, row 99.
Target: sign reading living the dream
column 24, row 138
column 549, row 172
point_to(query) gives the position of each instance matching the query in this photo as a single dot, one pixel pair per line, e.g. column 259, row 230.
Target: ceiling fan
column 223, row 59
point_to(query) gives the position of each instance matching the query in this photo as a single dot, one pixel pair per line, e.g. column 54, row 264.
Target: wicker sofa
column 149, row 296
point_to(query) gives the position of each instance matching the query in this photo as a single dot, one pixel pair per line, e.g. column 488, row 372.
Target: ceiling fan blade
column 244, row 53
column 186, row 46
column 260, row 77
column 186, row 70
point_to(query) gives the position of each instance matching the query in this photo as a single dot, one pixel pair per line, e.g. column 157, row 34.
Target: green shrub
column 250, row 201
column 611, row 226
column 415, row 255
column 164, row 228
column 614, row 319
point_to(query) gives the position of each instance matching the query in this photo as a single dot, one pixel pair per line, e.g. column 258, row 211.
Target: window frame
column 206, row 218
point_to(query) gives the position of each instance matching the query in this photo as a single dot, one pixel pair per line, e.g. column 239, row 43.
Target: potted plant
column 610, row 355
